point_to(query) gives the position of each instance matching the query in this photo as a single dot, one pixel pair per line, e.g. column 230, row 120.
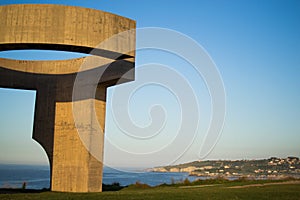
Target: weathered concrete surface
column 65, row 25
column 54, row 27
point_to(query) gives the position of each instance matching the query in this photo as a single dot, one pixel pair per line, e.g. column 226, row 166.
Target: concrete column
column 74, row 168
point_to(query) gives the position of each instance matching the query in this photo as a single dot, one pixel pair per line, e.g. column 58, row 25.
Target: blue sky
column 256, row 47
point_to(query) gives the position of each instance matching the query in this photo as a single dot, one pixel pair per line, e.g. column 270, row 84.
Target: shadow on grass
column 112, row 187
column 17, row 190
column 105, row 187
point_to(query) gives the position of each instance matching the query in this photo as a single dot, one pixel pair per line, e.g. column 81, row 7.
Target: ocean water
column 38, row 177
column 13, row 176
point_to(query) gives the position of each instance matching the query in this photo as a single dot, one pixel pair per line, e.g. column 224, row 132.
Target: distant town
column 273, row 168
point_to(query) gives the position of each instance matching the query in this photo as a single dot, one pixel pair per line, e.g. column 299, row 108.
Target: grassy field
column 229, row 190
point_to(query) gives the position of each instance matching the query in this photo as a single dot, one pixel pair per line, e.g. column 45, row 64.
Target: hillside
column 269, row 168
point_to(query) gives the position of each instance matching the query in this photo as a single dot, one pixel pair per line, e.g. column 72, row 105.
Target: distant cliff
column 269, row 168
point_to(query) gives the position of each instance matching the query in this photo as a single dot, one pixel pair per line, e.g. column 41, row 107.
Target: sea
column 38, row 177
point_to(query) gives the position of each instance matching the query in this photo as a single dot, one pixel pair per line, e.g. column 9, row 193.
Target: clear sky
column 256, row 47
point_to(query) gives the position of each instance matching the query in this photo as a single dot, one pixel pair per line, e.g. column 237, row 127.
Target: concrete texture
column 55, row 27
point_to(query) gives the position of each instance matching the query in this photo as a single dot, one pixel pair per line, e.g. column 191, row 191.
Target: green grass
column 219, row 191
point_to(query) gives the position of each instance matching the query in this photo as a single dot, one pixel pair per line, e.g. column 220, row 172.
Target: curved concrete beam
column 54, row 25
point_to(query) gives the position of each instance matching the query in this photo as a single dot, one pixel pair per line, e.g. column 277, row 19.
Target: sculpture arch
column 74, row 29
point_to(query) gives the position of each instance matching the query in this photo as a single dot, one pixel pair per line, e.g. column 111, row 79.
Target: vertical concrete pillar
column 74, row 168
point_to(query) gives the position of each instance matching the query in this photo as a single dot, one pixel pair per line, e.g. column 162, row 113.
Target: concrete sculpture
column 75, row 29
